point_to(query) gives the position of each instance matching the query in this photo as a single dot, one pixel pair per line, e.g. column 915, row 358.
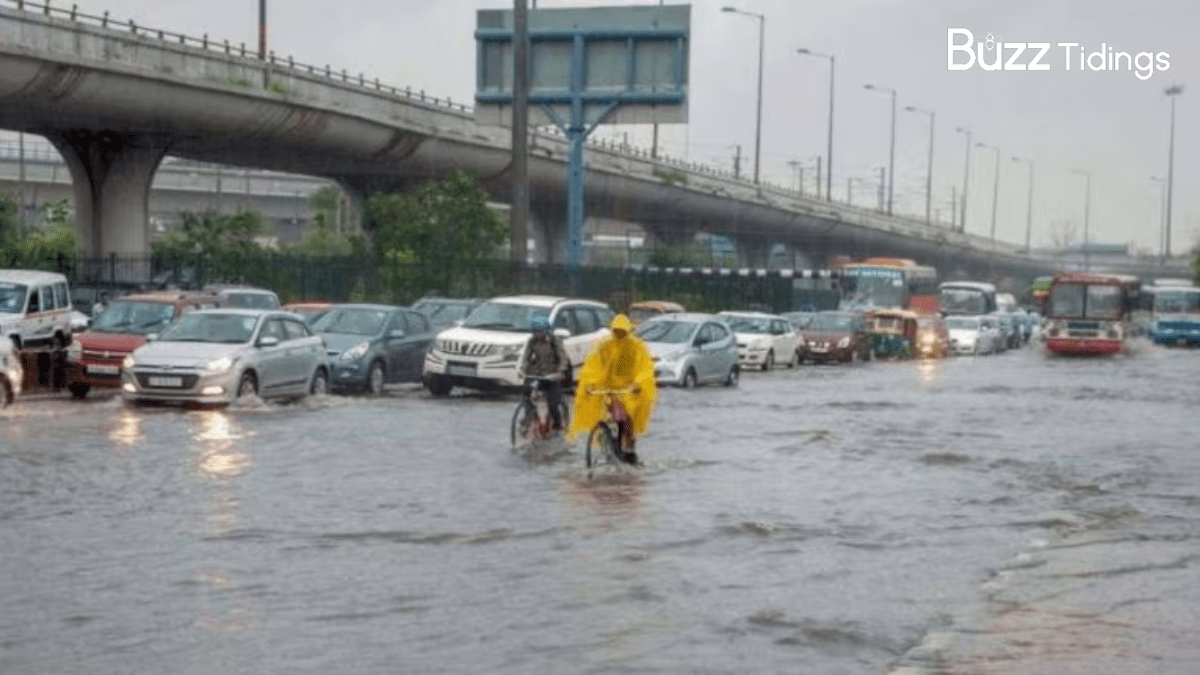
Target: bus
column 889, row 283
column 966, row 298
column 1175, row 313
column 1090, row 314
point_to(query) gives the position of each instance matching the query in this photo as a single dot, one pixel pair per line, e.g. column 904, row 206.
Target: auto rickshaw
column 933, row 339
column 649, row 309
column 893, row 333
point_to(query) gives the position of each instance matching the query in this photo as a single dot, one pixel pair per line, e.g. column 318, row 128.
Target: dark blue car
column 373, row 345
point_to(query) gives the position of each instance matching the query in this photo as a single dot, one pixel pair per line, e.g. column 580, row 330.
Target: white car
column 35, row 310
column 764, row 339
column 11, row 373
column 973, row 334
column 487, row 350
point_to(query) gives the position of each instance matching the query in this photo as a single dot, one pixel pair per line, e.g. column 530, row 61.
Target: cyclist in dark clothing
column 546, row 357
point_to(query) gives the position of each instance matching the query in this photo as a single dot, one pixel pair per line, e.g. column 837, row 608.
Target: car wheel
column 769, row 363
column 731, row 380
column 247, row 386
column 689, row 379
column 375, row 379
column 795, row 360
column 79, row 389
column 438, row 385
column 6, row 393
column 320, row 383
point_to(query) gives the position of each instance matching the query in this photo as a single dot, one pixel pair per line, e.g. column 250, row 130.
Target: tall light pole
column 1162, row 220
column 262, row 30
column 928, row 165
column 762, row 22
column 829, row 135
column 995, row 188
column 1087, row 207
column 962, row 223
column 1028, row 205
column 892, row 151
column 1171, row 93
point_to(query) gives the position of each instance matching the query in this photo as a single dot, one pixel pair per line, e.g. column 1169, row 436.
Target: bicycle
column 531, row 421
column 606, row 443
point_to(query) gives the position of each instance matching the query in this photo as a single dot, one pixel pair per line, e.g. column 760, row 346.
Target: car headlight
column 218, row 366
column 356, row 352
column 508, row 352
column 844, row 342
column 74, row 351
column 129, row 362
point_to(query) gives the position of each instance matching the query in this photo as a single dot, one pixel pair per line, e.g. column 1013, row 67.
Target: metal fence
column 389, row 280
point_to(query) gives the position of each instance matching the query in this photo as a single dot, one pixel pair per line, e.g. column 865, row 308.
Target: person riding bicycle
column 546, row 357
column 618, row 361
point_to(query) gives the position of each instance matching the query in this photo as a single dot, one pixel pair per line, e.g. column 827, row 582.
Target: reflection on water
column 217, row 438
column 613, row 495
column 128, row 429
column 928, row 372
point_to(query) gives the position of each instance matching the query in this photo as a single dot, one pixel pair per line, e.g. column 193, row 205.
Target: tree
column 324, row 239
column 444, row 227
column 1063, row 234
column 212, row 247
column 50, row 243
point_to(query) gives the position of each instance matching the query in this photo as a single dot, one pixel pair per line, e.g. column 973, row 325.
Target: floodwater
column 1003, row 514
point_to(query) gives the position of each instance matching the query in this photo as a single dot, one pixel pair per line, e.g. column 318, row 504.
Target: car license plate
column 166, row 381
column 461, row 370
column 104, row 370
column 820, row 349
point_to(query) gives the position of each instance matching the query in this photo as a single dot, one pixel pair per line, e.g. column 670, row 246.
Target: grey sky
column 1111, row 123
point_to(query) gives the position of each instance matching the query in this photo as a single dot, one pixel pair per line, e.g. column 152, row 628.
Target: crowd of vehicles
column 226, row 341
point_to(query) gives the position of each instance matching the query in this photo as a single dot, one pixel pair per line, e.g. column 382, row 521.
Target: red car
column 836, row 336
column 94, row 357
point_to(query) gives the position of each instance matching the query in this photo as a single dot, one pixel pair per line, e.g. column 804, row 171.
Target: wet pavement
column 1006, row 514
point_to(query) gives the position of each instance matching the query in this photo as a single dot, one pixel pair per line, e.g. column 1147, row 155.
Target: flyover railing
column 664, row 166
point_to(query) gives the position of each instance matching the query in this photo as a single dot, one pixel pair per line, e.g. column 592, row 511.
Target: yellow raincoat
column 615, row 363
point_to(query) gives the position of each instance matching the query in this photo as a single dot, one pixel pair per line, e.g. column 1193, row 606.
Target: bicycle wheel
column 601, row 447
column 522, row 418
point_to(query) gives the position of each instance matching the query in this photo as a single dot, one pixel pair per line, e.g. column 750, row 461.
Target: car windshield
column 962, row 301
column 800, row 319
column 962, row 323
column 667, row 331
column 832, row 322
column 250, row 300
column 352, row 321
column 747, row 324
column 12, row 298
column 640, row 314
column 206, row 327
column 310, row 315
column 444, row 314
column 505, row 316
column 138, row 318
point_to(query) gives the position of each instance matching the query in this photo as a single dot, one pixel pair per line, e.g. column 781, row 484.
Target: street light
column 1029, row 205
column 1171, row 93
column 762, row 22
column 892, row 151
column 1162, row 220
column 1087, row 206
column 995, row 188
column 829, row 147
column 962, row 223
column 928, row 165
column 262, row 30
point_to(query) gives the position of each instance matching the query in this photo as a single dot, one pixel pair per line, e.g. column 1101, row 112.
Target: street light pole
column 928, row 165
column 1162, row 220
column 995, row 188
column 262, row 30
column 892, row 151
column 962, row 223
column 829, row 135
column 1028, row 206
column 1171, row 93
column 1087, row 206
column 762, row 22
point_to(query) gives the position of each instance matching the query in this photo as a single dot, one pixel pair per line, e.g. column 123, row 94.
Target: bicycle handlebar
column 623, row 390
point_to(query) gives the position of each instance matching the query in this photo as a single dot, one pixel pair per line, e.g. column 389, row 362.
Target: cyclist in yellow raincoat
column 616, row 362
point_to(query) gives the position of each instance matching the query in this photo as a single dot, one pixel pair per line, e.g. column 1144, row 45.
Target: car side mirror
column 562, row 333
column 268, row 341
column 152, row 337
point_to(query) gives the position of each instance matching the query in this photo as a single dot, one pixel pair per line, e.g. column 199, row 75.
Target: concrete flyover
column 115, row 99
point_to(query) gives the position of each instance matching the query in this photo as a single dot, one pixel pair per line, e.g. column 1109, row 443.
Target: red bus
column 1090, row 313
column 889, row 283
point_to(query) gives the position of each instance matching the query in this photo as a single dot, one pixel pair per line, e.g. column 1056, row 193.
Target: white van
column 35, row 310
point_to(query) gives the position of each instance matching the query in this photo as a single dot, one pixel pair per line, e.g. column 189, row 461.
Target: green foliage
column 677, row 256
column 324, row 241
column 51, row 243
column 215, row 243
column 277, row 88
column 671, row 177
column 240, row 82
column 444, row 227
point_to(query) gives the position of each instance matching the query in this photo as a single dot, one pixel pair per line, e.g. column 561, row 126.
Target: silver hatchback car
column 690, row 348
column 215, row 356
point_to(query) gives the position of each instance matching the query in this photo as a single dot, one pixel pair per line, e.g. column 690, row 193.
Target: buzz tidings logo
column 964, row 50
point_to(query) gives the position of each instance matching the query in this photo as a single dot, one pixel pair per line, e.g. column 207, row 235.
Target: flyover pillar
column 753, row 252
column 111, row 174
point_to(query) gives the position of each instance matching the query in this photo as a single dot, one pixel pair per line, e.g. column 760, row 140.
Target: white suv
column 35, row 310
column 487, row 350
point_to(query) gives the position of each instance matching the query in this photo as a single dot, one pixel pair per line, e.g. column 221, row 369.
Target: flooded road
column 1006, row 514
